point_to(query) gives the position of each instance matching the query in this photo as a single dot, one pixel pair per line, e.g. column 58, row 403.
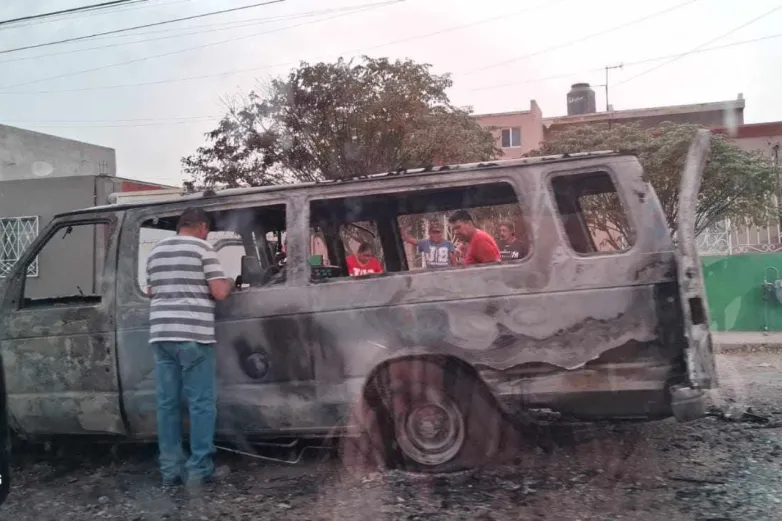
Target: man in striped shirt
column 184, row 280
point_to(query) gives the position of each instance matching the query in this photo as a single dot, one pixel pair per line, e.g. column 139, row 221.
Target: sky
column 151, row 94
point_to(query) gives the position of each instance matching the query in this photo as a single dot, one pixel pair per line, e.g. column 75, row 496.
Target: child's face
column 364, row 256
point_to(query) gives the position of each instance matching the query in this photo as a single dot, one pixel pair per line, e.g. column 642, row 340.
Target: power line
column 132, row 120
column 625, row 64
column 134, row 125
column 582, row 39
column 699, row 47
column 463, row 26
column 254, row 69
column 244, row 23
column 359, row 8
column 485, row 87
column 193, row 119
column 72, row 10
column 214, row 28
column 144, row 26
column 90, row 14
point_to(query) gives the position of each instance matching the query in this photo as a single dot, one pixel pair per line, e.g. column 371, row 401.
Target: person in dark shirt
column 511, row 248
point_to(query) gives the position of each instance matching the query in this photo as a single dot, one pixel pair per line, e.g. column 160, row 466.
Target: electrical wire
column 139, row 125
column 624, row 64
column 485, row 87
column 365, row 7
column 581, row 39
column 127, row 124
column 225, row 26
column 91, row 14
column 154, row 121
column 254, row 69
column 144, row 26
column 72, row 10
column 699, row 47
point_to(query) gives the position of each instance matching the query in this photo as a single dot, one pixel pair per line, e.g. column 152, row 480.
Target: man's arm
column 409, row 240
column 220, row 286
column 452, row 258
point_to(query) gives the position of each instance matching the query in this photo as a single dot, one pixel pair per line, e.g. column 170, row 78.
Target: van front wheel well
column 426, row 414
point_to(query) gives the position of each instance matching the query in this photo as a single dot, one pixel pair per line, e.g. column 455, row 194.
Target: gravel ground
column 723, row 467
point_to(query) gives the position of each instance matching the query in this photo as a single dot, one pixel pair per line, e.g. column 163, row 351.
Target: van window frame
column 629, row 214
column 437, row 183
column 209, row 206
column 111, row 219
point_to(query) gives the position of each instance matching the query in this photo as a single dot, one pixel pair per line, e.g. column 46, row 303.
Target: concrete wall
column 734, row 289
column 25, row 154
column 763, row 144
column 45, row 198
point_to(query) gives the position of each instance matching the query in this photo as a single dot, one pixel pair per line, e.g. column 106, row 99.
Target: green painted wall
column 734, row 289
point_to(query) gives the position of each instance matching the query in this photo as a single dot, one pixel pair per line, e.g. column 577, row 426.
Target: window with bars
column 16, row 234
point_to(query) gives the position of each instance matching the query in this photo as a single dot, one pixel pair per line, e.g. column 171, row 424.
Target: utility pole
column 608, row 68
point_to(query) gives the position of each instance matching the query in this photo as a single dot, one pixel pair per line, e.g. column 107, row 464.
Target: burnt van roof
column 465, row 167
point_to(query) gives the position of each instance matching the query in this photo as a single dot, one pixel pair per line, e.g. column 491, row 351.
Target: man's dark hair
column 460, row 215
column 193, row 217
column 365, row 247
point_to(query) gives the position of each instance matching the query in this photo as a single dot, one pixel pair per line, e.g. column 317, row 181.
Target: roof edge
column 648, row 111
column 418, row 171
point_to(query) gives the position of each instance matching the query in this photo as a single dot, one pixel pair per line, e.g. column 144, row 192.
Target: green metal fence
column 736, row 295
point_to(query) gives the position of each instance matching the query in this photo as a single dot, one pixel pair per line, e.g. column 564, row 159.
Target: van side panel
column 555, row 329
column 558, row 329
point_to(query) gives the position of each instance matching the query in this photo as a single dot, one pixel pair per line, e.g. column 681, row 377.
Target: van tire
column 365, row 446
column 438, row 416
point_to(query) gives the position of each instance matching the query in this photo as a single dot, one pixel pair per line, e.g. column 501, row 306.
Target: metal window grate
column 16, row 234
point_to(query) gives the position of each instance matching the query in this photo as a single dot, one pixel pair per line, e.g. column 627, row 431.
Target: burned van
column 602, row 317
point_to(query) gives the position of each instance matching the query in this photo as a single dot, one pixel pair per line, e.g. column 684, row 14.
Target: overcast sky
column 140, row 95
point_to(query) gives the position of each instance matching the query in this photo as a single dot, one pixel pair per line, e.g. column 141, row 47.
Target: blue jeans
column 187, row 368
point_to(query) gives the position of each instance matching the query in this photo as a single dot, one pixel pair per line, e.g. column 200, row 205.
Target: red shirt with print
column 482, row 248
column 356, row 269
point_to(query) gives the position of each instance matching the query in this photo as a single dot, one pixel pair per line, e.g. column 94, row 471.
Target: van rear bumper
column 687, row 403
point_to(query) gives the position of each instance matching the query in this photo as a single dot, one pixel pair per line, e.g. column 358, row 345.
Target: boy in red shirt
column 481, row 247
column 363, row 262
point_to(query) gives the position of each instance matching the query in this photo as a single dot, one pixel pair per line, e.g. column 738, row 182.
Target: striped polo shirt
column 182, row 308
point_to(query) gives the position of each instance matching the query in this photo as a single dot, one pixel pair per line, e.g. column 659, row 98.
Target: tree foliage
column 339, row 120
column 736, row 184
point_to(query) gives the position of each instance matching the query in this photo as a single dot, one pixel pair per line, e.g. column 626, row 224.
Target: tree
column 736, row 184
column 339, row 120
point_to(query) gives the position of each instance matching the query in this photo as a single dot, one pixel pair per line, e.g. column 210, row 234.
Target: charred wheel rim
column 431, row 432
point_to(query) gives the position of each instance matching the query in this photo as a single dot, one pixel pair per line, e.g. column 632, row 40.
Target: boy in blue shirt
column 436, row 250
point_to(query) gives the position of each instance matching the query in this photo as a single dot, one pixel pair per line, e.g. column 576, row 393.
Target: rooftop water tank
column 580, row 100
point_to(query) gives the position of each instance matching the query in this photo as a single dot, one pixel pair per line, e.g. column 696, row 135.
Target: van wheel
column 441, row 418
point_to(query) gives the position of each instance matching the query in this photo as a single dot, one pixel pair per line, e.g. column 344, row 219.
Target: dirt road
column 714, row 469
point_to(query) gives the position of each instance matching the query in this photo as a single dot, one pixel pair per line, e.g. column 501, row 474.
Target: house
column 710, row 115
column 764, row 138
column 517, row 133
column 41, row 176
